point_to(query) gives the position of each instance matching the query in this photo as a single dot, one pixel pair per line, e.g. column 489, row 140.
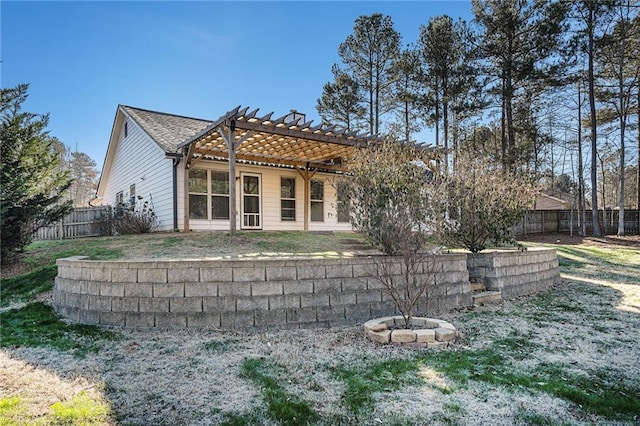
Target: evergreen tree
column 340, row 101
column 619, row 74
column 33, row 185
column 516, row 43
column 444, row 51
column 368, row 55
column 84, row 173
column 407, row 95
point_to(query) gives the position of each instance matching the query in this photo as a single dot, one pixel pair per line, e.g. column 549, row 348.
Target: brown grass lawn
column 568, row 356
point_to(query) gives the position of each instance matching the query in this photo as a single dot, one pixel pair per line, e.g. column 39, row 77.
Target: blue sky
column 197, row 59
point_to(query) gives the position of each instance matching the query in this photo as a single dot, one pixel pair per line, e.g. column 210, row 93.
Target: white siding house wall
column 270, row 199
column 139, row 160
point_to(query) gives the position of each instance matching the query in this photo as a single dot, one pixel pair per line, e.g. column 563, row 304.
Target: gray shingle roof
column 167, row 130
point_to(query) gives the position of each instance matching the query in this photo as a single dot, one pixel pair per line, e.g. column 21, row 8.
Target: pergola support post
column 231, row 146
column 306, row 177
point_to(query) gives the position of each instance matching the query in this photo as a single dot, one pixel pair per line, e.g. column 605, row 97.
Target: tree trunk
column 594, row 131
column 581, row 200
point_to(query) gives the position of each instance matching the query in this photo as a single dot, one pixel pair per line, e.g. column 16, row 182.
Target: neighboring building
column 545, row 201
column 285, row 170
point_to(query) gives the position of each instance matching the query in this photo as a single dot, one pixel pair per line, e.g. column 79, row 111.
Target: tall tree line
column 509, row 84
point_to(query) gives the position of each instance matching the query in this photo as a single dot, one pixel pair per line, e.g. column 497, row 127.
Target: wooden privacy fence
column 80, row 222
column 555, row 221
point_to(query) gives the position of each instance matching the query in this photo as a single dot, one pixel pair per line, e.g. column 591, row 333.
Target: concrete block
column 375, row 284
column 153, row 304
column 124, row 304
column 244, row 274
column 383, row 336
column 284, row 301
column 73, row 300
column 100, row 274
column 339, row 271
column 138, row 290
column 252, row 303
column 219, row 304
column 280, row 273
column 183, row 275
column 112, row 318
column 200, row 289
column 330, row 313
column 88, row 317
column 444, row 334
column 97, row 303
column 382, row 309
column 437, row 345
column 327, row 285
column 112, row 289
column 319, row 299
column 342, row 298
column 185, row 304
column 368, row 296
column 350, row 284
column 267, row 288
column 210, row 274
column 425, row 335
column 274, row 317
column 234, row 289
column 139, row 319
column 298, row 287
column 171, row 320
column 232, row 320
column 152, row 275
column 90, row 287
column 365, row 270
column 301, row 315
column 403, row 336
column 203, row 319
column 168, row 290
column 308, row 272
column 357, row 312
column 69, row 312
column 124, row 275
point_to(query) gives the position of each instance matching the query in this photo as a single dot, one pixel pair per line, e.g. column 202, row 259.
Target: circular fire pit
column 426, row 332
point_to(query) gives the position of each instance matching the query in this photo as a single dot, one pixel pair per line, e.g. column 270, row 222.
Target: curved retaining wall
column 232, row 294
column 515, row 273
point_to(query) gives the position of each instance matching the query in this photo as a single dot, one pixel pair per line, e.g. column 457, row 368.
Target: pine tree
column 33, row 184
column 368, row 55
column 340, row 101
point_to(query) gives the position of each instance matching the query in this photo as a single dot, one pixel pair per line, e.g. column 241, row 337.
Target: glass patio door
column 251, row 202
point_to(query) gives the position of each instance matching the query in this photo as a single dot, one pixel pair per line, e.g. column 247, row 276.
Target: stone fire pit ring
column 427, row 332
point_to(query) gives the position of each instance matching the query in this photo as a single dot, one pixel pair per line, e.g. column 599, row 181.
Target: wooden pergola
column 242, row 135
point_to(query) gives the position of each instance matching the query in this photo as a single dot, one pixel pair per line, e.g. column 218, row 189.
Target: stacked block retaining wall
column 515, row 273
column 242, row 294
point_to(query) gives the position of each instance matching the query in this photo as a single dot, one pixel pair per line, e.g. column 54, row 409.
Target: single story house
column 240, row 171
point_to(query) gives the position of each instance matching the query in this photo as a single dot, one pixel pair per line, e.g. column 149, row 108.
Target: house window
column 342, row 194
column 317, row 201
column 287, row 199
column 219, row 194
column 198, row 194
column 209, row 185
column 132, row 195
column 119, row 198
column 126, row 129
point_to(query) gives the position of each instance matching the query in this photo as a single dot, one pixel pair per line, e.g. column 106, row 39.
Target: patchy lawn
column 567, row 356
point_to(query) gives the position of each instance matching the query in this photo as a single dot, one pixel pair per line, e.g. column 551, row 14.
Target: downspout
column 176, row 161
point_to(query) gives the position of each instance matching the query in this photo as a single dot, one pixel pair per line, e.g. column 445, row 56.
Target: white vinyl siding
column 138, row 162
column 271, row 200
